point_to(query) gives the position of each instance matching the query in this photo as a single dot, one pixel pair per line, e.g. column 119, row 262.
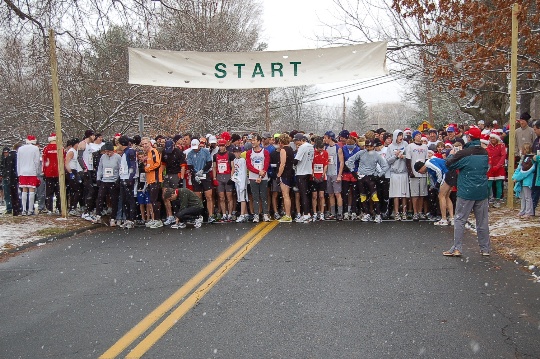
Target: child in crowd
column 524, row 181
column 239, row 177
column 143, row 197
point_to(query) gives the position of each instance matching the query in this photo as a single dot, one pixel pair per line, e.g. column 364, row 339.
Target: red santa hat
column 52, row 137
column 31, row 140
column 496, row 135
column 448, row 144
column 117, row 135
column 485, row 139
column 407, row 131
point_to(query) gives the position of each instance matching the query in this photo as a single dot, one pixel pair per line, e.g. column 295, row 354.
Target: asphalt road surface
column 320, row 290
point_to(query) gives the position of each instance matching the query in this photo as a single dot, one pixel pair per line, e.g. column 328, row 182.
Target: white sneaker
column 321, row 217
column 112, row 223
column 157, row 224
column 87, row 216
column 266, row 218
column 366, row 218
column 354, row 216
column 179, row 225
column 149, row 223
column 241, row 219
column 306, row 218
column 170, row 220
column 346, row 216
column 256, row 218
column 96, row 220
column 198, row 222
column 378, row 219
column 129, row 224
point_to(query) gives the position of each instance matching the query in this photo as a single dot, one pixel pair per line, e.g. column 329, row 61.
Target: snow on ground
column 509, row 225
column 18, row 231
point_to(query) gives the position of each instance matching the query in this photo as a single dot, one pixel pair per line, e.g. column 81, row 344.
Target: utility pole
column 343, row 123
column 513, row 101
column 58, row 124
column 267, row 122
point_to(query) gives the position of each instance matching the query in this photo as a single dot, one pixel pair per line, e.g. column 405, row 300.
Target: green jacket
column 472, row 163
column 186, row 199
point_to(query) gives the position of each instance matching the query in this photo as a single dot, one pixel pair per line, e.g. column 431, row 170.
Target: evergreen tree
column 357, row 118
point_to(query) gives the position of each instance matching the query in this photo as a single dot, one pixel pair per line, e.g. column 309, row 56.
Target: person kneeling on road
column 186, row 206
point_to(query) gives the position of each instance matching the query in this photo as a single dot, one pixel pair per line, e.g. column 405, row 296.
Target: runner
column 129, row 172
column 417, row 151
column 258, row 162
column 399, row 178
column 285, row 175
column 239, row 177
column 200, row 165
column 318, row 179
column 154, row 178
column 333, row 174
column 86, row 163
column 222, row 169
column 187, row 206
column 28, row 162
column 172, row 159
column 108, row 174
column 304, row 168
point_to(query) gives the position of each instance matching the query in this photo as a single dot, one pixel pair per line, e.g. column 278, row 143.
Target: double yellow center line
column 214, row 271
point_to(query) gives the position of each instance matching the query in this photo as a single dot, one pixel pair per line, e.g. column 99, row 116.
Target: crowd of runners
column 299, row 177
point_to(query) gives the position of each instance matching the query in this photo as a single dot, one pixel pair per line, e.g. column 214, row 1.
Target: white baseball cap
column 212, row 139
column 195, row 144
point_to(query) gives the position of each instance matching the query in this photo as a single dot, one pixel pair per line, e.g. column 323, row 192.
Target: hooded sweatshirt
column 397, row 165
column 369, row 163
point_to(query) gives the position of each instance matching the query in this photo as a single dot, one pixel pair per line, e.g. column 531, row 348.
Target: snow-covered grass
column 18, row 231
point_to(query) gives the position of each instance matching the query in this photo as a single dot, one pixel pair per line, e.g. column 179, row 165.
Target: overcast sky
column 292, row 24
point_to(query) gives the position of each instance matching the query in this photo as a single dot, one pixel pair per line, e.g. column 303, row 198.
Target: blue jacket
column 523, row 178
column 472, row 163
column 436, row 168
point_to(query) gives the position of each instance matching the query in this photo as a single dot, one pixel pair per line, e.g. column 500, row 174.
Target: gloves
column 216, row 183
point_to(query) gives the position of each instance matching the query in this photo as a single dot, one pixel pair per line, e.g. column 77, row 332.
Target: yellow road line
column 177, row 296
column 194, row 298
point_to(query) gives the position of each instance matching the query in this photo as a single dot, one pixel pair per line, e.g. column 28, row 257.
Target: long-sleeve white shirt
column 28, row 160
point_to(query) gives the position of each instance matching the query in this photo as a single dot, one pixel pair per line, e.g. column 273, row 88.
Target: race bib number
column 222, row 167
column 258, row 166
column 123, row 171
column 107, row 172
column 331, row 160
column 318, row 168
column 142, row 177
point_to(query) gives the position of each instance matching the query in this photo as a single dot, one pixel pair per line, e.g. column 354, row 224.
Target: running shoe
column 157, row 224
column 366, row 218
column 354, row 216
column 346, row 216
column 256, row 218
column 442, row 222
column 170, row 220
column 241, row 219
column 180, row 225
column 416, row 217
column 198, row 222
column 266, row 218
column 378, row 219
column 484, row 253
column 397, row 217
column 129, row 224
column 112, row 223
column 321, row 217
column 96, row 220
column 277, row 216
column 404, row 216
column 285, row 219
column 339, row 217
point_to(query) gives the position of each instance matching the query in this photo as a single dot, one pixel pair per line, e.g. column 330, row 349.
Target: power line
column 330, row 96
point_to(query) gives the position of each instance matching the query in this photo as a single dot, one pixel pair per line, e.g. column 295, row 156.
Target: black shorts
column 451, row 178
column 205, row 185
column 317, row 186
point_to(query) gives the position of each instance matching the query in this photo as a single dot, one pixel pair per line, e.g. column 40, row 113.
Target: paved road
column 322, row 290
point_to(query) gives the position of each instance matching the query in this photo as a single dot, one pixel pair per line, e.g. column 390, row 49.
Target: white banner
column 264, row 69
